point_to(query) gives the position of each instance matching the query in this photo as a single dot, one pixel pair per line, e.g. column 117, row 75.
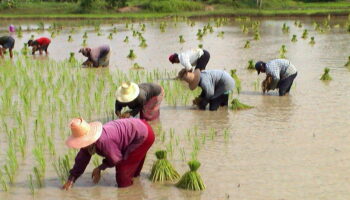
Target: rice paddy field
column 291, row 147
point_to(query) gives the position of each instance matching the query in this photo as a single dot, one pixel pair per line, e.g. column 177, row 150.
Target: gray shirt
column 215, row 83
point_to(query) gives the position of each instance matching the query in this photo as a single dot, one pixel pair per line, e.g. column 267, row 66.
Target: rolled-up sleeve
column 81, row 161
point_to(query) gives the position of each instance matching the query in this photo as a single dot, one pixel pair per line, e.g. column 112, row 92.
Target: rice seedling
column 237, row 105
column 312, row 41
column 221, row 34
column 25, row 49
column 181, row 39
column 72, row 57
column 85, row 36
column 62, row 167
column 110, row 36
column 237, row 80
column 143, row 44
column 305, row 34
column 256, row 36
column 38, row 177
column 32, row 37
column 347, row 64
column 200, row 46
column 294, row 38
column 53, row 34
column 84, row 44
column 31, row 184
column 247, row 44
column 22, row 142
column 70, row 39
column 114, row 30
column 191, row 180
column 226, row 135
column 285, row 28
column 283, row 51
column 300, row 25
column 251, row 65
column 136, row 66
column 19, row 32
column 162, row 170
column 326, row 76
column 126, row 40
column 131, row 55
column 3, row 182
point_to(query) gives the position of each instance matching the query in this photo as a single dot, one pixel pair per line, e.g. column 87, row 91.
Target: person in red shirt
column 41, row 44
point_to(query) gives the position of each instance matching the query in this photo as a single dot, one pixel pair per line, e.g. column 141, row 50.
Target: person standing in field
column 216, row 86
column 282, row 71
column 41, row 44
column 194, row 58
column 144, row 98
column 123, row 143
column 97, row 56
column 6, row 42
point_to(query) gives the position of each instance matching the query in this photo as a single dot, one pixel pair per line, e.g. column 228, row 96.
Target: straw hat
column 127, row 92
column 83, row 133
column 192, row 78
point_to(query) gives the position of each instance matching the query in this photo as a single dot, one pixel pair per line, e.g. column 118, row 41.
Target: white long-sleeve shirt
column 189, row 58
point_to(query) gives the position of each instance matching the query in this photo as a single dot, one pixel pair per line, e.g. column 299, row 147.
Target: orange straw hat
column 192, row 78
column 83, row 133
column 127, row 92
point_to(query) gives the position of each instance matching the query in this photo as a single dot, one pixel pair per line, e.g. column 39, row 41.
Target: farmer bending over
column 144, row 98
column 282, row 71
column 216, row 86
column 6, row 42
column 197, row 58
column 41, row 44
column 123, row 144
column 98, row 56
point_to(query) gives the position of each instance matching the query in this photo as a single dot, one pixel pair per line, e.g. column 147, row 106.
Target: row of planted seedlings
column 38, row 100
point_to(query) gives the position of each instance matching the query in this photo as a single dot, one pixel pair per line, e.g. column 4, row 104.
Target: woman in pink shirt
column 123, row 143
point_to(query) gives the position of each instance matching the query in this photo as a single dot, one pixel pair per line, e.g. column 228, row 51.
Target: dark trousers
column 203, row 60
column 285, row 84
column 214, row 104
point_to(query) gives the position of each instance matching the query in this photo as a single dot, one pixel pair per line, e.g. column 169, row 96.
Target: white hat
column 127, row 92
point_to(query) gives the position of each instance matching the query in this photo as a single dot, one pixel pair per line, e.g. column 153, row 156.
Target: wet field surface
column 291, row 147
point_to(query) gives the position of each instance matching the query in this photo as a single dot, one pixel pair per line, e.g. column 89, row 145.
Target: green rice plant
column 283, row 51
column 326, row 76
column 62, row 167
column 131, row 55
column 204, row 138
column 247, row 44
column 110, row 36
column 126, row 40
column 162, row 170
column 51, row 147
column 3, row 182
column 294, row 38
column 84, row 44
column 237, row 105
column 312, row 41
column 191, row 180
column 237, row 80
column 251, row 65
column 136, row 66
column 99, row 33
column 182, row 154
column 38, row 153
column 32, row 37
column 226, row 135
column 72, row 58
column 143, row 44
column 256, row 36
column 70, row 39
column 31, row 184
column 19, row 32
column 25, row 49
column 53, row 34
column 285, row 28
column 115, row 30
column 38, row 177
column 200, row 46
column 85, row 36
column 221, row 34
column 300, row 25
column 212, row 133
column 22, row 142
column 305, row 34
column 347, row 64
column 181, row 39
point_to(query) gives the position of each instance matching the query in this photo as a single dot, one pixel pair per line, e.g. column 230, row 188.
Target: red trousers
column 132, row 166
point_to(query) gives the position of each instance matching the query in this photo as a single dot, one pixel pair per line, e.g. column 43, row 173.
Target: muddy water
column 292, row 147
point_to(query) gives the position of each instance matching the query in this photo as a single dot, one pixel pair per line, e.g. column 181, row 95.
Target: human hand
column 96, row 175
column 67, row 185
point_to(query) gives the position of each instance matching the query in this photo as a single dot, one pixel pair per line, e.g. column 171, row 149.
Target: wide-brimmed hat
column 127, row 92
column 83, row 133
column 192, row 78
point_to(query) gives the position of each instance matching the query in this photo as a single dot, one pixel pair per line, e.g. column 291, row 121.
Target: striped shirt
column 279, row 69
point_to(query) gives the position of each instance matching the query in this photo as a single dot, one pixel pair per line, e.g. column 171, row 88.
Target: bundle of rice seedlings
column 251, row 65
column 305, row 34
column 247, row 44
column 326, row 76
column 162, row 169
column 312, row 41
column 237, row 80
column 348, row 63
column 191, row 180
column 294, row 38
column 237, row 105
